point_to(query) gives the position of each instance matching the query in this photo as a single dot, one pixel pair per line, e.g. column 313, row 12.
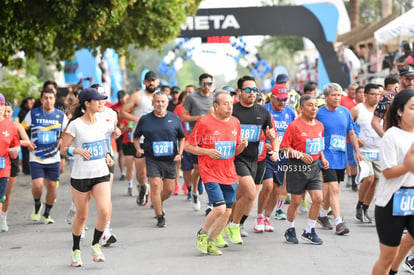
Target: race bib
column 251, row 132
column 226, row 148
column 261, row 146
column 280, row 135
column 2, row 163
column 98, row 149
column 162, row 148
column 372, row 156
column 314, row 146
column 338, row 143
column 403, row 204
column 46, row 137
column 187, row 126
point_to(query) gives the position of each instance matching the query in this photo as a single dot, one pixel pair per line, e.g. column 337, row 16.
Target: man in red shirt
column 304, row 143
column 216, row 140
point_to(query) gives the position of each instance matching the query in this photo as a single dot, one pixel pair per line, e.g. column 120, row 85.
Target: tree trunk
column 354, row 12
column 386, row 8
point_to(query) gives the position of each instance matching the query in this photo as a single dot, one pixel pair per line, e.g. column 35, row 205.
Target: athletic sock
column 47, row 210
column 96, row 236
column 280, row 202
column 243, row 219
column 365, row 207
column 323, row 213
column 76, row 242
column 201, row 231
column 359, row 205
column 291, row 224
column 37, row 205
column 392, row 272
column 338, row 220
column 310, row 225
column 130, row 184
column 353, row 177
column 4, row 215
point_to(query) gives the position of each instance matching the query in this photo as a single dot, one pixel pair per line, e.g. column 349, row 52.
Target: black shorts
column 85, row 185
column 129, row 150
column 14, row 167
column 119, row 144
column 166, row 169
column 245, row 167
column 301, row 176
column 261, row 167
column 194, row 159
column 389, row 227
column 332, row 175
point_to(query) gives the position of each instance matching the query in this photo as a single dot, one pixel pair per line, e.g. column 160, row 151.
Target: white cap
column 363, row 171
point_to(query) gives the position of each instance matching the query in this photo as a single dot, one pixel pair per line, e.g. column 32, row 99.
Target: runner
column 338, row 125
column 163, row 147
column 196, row 106
column 395, row 187
column 46, row 124
column 86, row 140
column 303, row 141
column 253, row 119
column 139, row 104
column 216, row 140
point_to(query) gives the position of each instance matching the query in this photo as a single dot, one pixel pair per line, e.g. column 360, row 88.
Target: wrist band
column 69, row 151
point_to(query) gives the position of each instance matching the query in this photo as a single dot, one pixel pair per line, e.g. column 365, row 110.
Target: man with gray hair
column 338, row 124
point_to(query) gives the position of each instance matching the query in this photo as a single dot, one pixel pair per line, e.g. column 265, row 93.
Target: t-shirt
column 282, row 119
column 196, row 105
column 179, row 112
column 46, row 129
column 110, row 117
column 304, row 138
column 9, row 138
column 252, row 121
column 161, row 134
column 171, row 106
column 92, row 138
column 384, row 104
column 394, row 146
column 337, row 124
column 367, row 133
column 348, row 102
column 224, row 136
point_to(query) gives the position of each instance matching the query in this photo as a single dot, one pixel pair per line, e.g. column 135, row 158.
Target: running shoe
column 324, row 221
column 200, row 187
column 201, row 243
column 212, row 249
column 354, row 187
column 123, row 177
column 220, row 241
column 185, row 189
column 408, row 264
column 279, row 215
column 47, row 220
column 177, row 190
column 70, row 216
column 36, row 215
column 259, row 225
column 161, row 221
column 96, row 253
column 243, row 231
column 3, row 226
column 234, row 234
column 208, row 209
column 76, row 258
column 108, row 238
column 303, row 207
column 290, row 236
column 366, row 218
column 267, row 226
column 143, row 192
column 312, row 237
column 195, row 203
column 341, row 229
column 359, row 216
column 189, row 196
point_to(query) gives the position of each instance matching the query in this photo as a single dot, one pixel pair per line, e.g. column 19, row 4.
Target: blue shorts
column 276, row 170
column 187, row 162
column 350, row 154
column 221, row 193
column 194, row 158
column 4, row 182
column 49, row 171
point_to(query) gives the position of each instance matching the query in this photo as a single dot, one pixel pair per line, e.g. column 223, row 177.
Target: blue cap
column 90, row 93
column 282, row 78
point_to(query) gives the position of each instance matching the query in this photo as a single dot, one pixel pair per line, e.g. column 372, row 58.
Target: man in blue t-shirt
column 338, row 124
column 163, row 147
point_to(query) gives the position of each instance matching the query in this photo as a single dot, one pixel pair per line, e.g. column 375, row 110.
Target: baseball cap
column 280, row 91
column 229, row 89
column 362, row 172
column 407, row 71
column 150, row 76
column 2, row 99
column 282, row 78
column 175, row 90
column 90, row 93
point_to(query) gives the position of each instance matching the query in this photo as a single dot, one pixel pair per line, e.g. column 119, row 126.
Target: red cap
column 280, row 91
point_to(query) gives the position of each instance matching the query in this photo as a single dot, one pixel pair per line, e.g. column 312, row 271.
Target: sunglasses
column 249, row 90
column 204, row 84
column 280, row 99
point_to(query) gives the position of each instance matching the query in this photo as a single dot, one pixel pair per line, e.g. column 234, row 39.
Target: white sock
column 311, row 224
column 123, row 174
column 338, row 220
column 4, row 215
column 108, row 225
column 291, row 224
column 72, row 207
column 130, row 183
column 260, row 215
column 234, row 224
column 323, row 212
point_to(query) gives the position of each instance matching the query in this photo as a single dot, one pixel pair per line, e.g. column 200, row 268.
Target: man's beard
column 150, row 89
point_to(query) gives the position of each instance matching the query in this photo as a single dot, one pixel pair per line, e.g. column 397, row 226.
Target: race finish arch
column 317, row 22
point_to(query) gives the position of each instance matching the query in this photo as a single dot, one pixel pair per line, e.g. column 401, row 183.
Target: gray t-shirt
column 196, row 105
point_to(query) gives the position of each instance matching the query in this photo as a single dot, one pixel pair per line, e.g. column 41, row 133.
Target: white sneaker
column 196, row 204
column 70, row 216
column 259, row 225
column 3, row 226
column 243, row 231
column 108, row 238
column 267, row 226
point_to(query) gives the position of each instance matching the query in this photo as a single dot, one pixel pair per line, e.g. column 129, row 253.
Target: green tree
column 57, row 28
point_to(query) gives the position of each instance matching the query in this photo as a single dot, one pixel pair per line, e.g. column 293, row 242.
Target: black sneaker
column 359, row 215
column 408, row 264
column 341, row 229
column 312, row 237
column 366, row 217
column 123, row 177
column 161, row 221
column 354, row 187
column 324, row 221
column 290, row 236
column 142, row 198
